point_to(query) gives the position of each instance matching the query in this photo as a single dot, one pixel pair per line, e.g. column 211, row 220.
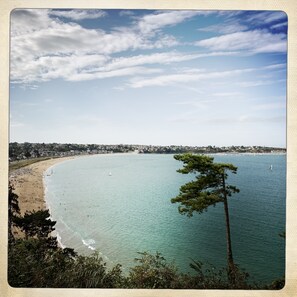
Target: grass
column 22, row 163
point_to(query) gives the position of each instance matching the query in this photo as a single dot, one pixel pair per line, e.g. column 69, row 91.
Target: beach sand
column 28, row 184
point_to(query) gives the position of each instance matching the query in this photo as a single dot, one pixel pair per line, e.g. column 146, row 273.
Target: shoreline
column 28, row 184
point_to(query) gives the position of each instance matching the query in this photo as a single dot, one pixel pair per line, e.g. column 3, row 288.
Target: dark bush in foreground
column 32, row 263
column 36, row 263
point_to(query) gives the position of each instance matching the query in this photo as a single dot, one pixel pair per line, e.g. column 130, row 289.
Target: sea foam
column 88, row 243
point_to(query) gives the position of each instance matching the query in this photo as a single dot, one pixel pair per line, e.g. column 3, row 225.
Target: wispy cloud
column 156, row 58
column 280, row 25
column 114, row 73
column 154, row 22
column 77, row 14
column 194, row 74
column 266, row 17
column 256, row 41
column 228, row 28
column 165, row 80
column 73, row 63
column 282, row 66
column 238, row 21
column 257, row 83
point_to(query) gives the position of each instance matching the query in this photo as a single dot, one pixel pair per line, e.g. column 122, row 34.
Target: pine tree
column 209, row 188
column 36, row 223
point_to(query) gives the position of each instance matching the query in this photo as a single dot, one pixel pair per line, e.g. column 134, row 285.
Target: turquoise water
column 120, row 204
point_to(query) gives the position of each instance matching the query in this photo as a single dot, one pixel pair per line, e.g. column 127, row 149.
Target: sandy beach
column 28, row 184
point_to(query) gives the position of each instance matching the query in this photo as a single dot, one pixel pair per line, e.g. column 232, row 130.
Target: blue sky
column 148, row 77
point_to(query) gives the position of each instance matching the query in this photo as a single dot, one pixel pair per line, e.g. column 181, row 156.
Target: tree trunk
column 228, row 233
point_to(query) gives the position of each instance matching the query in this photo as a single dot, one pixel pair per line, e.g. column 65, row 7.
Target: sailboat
column 270, row 167
column 110, row 174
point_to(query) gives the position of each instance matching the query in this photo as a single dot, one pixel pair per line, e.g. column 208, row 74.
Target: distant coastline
column 24, row 151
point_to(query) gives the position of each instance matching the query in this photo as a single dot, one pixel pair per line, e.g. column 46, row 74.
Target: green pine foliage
column 36, row 223
column 208, row 188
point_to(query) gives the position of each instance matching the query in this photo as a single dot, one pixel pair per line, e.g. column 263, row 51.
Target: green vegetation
column 13, row 211
column 209, row 188
column 36, row 261
column 27, row 150
column 22, row 163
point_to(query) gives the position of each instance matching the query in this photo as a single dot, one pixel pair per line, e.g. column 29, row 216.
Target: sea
column 120, row 204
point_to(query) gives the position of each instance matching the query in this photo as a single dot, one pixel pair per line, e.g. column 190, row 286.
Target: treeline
column 36, row 261
column 27, row 150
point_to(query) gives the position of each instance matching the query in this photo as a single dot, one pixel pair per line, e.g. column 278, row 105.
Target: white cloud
column 152, row 22
column 256, row 41
column 266, row 17
column 86, row 67
column 280, row 25
column 276, row 66
column 44, row 48
column 78, row 14
column 51, row 67
column 157, row 58
column 63, row 52
column 29, row 20
column 34, row 31
column 227, row 28
column 229, row 14
column 114, row 73
column 165, row 80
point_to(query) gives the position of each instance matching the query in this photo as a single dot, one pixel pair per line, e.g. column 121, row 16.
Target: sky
column 169, row 77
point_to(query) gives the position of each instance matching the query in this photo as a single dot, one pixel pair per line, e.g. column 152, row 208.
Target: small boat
column 270, row 167
column 110, row 174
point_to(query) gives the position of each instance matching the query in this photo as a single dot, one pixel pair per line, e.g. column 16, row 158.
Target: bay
column 119, row 204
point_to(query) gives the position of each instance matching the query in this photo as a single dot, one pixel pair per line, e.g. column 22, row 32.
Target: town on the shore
column 27, row 150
